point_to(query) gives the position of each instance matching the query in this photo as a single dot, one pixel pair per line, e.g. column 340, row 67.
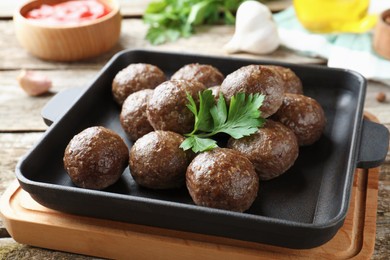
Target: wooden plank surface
column 25, row 114
column 133, row 36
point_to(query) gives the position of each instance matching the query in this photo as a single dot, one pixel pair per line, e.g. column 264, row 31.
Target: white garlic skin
column 255, row 31
column 34, row 83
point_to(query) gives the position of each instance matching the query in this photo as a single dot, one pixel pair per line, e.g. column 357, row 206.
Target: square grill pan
column 303, row 208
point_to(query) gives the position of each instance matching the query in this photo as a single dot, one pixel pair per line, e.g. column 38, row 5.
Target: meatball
column 304, row 115
column 133, row 114
column 222, row 178
column 292, row 83
column 273, row 149
column 206, row 74
column 256, row 79
column 135, row 77
column 96, row 158
column 167, row 107
column 157, row 161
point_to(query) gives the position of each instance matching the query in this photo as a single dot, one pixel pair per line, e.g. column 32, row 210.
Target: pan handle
column 59, row 104
column 374, row 145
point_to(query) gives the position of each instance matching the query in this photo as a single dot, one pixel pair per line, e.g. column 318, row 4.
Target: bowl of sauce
column 68, row 30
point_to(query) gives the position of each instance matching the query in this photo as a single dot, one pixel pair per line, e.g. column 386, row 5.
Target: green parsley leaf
column 242, row 118
column 198, row 144
column 156, row 6
column 169, row 20
column 244, row 115
column 198, row 12
column 205, row 121
column 159, row 35
column 219, row 112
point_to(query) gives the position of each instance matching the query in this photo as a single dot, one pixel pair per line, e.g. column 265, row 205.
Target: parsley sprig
column 169, row 20
column 242, row 118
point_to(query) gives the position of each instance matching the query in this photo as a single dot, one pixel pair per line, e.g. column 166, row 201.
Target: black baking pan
column 303, row 208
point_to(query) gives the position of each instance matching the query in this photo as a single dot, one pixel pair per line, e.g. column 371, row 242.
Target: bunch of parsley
column 169, row 20
column 241, row 118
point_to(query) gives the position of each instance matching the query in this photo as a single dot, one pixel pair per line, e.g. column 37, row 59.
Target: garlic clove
column 255, row 31
column 34, row 83
column 261, row 42
column 250, row 16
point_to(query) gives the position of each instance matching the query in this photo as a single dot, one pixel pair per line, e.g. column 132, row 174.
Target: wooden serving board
column 30, row 223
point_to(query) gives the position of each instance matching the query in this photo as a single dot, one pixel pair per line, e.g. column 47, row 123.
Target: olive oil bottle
column 325, row 16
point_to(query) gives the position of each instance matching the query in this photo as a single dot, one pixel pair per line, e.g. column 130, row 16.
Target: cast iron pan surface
column 303, row 208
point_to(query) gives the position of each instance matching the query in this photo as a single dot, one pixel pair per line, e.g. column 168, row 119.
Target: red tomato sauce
column 69, row 12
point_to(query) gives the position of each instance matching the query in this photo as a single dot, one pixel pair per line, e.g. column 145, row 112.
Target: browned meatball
column 157, row 161
column 273, row 149
column 133, row 114
column 292, row 83
column 135, row 77
column 96, row 158
column 304, row 115
column 206, row 74
column 256, row 79
column 222, row 178
column 167, row 107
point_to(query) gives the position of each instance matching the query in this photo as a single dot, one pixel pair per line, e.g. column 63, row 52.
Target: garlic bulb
column 34, row 83
column 255, row 32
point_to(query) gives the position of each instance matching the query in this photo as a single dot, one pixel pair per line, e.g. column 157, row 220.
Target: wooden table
column 21, row 124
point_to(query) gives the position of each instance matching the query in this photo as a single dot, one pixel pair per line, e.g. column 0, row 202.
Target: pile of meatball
column 155, row 117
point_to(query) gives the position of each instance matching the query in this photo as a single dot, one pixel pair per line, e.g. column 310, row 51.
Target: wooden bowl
column 381, row 40
column 67, row 42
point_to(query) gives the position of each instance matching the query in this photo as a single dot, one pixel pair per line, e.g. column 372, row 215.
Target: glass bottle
column 325, row 16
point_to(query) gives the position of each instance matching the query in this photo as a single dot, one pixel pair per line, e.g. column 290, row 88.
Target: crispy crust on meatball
column 135, row 77
column 133, row 118
column 304, row 116
column 256, row 79
column 96, row 158
column 167, row 107
column 292, row 83
column 157, row 161
column 206, row 74
column 273, row 149
column 222, row 178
